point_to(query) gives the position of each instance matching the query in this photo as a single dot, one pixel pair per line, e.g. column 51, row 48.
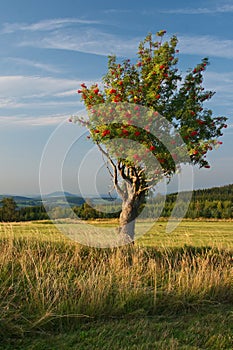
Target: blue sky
column 49, row 47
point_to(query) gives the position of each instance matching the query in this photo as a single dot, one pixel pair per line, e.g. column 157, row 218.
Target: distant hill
column 22, row 201
column 222, row 193
column 59, row 194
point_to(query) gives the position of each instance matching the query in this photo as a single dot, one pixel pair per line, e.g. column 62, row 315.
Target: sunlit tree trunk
column 130, row 210
column 132, row 202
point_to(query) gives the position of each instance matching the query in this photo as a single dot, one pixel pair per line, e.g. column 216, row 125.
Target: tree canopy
column 147, row 118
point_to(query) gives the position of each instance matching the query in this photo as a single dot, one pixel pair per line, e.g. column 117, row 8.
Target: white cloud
column 32, row 86
column 69, row 34
column 94, row 41
column 87, row 40
column 222, row 83
column 206, row 45
column 32, row 121
column 200, row 10
column 38, row 95
column 38, row 65
column 66, row 93
column 6, row 102
column 116, row 11
column 45, row 25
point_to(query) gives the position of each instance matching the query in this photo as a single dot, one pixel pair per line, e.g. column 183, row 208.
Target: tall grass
column 55, row 284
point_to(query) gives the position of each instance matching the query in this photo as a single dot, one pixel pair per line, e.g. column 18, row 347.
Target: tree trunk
column 129, row 213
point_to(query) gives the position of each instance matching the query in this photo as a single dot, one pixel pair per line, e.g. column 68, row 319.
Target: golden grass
column 48, row 281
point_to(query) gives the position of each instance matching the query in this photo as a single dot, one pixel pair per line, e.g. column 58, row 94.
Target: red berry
column 83, row 85
column 112, row 91
column 152, row 148
column 105, row 132
column 194, row 133
column 137, row 133
column 124, row 131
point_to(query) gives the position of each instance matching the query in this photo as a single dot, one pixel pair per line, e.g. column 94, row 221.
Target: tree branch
column 114, row 175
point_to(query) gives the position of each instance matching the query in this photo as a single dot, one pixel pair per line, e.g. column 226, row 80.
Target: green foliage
column 86, row 211
column 8, row 210
column 216, row 202
column 148, row 119
column 32, row 213
column 154, row 83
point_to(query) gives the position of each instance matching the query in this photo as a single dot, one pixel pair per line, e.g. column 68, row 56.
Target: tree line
column 215, row 203
column 9, row 211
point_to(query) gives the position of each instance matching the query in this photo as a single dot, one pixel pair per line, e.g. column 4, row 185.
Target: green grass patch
column 192, row 233
column 208, row 329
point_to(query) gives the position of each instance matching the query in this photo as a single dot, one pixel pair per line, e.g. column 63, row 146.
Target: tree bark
column 129, row 213
column 133, row 194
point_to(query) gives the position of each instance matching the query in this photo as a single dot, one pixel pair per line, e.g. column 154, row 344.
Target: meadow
column 168, row 291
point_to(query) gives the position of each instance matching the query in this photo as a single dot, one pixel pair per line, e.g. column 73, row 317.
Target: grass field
column 168, row 291
column 197, row 233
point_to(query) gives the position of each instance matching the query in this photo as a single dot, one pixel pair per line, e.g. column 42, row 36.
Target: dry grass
column 54, row 284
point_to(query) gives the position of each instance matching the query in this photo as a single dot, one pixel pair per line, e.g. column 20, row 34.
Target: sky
column 48, row 48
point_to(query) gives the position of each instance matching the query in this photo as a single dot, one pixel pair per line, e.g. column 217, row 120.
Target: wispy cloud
column 70, row 34
column 45, row 25
column 227, row 8
column 32, row 121
column 95, row 41
column 33, row 95
column 116, row 11
column 86, row 40
column 222, row 83
column 31, row 86
column 38, row 65
column 206, row 45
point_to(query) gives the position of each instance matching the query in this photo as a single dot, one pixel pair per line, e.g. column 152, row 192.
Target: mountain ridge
column 74, row 199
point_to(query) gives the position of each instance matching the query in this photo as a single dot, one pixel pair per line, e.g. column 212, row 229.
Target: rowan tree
column 147, row 118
